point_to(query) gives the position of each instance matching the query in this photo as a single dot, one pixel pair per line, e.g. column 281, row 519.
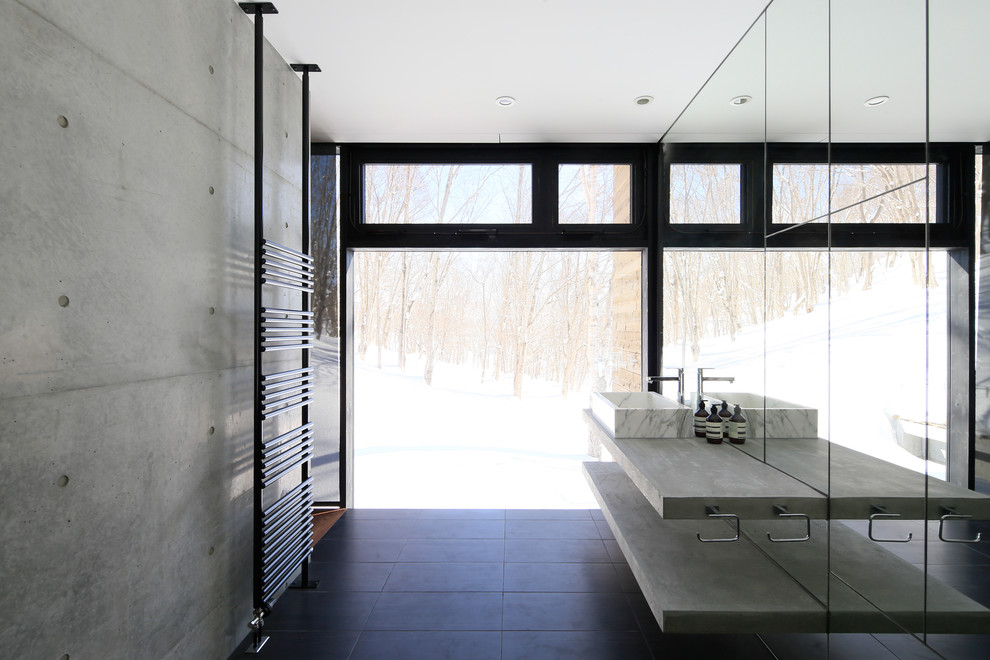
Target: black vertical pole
column 259, row 233
column 304, row 581
column 653, row 280
column 259, row 9
column 304, row 576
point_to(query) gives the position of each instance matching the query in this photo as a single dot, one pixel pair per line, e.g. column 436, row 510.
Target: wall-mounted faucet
column 702, row 379
column 680, row 382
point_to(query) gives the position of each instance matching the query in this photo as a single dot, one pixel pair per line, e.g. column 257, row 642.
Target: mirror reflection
column 827, row 292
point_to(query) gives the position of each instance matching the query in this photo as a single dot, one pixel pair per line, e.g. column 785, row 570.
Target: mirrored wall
column 819, row 270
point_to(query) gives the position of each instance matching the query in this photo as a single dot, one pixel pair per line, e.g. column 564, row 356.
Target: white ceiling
column 809, row 65
column 429, row 71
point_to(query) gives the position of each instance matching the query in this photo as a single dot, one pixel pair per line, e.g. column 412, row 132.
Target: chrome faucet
column 680, row 382
column 702, row 379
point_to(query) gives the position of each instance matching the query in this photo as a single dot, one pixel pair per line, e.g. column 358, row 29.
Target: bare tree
column 324, row 245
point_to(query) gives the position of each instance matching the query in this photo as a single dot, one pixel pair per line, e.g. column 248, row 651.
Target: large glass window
column 473, row 370
column 325, row 303
column 448, row 194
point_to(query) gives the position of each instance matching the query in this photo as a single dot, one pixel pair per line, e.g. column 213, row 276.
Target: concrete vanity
column 657, row 497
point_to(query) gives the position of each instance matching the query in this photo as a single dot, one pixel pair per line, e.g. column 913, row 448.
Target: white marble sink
column 642, row 415
column 778, row 418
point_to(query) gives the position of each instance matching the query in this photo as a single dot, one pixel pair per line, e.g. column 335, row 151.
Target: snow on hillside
column 466, row 444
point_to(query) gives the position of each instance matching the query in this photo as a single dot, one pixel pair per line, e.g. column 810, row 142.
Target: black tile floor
column 406, row 584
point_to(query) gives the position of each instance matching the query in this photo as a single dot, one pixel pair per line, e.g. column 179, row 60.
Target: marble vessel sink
column 778, row 418
column 642, row 415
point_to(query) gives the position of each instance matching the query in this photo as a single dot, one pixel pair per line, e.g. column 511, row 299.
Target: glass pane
column 325, row 356
column 705, row 194
column 861, row 193
column 473, row 371
column 448, row 194
column 958, row 112
column 878, row 320
column 882, row 318
column 593, row 194
column 713, row 321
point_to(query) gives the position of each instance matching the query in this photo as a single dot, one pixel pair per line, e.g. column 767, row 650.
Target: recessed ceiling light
column 505, row 101
column 875, row 101
column 741, row 100
column 643, row 100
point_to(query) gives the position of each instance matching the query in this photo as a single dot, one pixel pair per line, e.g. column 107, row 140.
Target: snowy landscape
column 461, row 443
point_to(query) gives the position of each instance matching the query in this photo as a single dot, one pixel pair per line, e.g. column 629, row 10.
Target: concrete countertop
column 856, row 481
column 754, row 585
column 680, row 477
column 695, row 587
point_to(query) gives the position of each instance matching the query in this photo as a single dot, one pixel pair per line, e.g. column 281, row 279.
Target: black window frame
column 544, row 232
column 954, row 165
column 743, row 235
column 955, row 198
column 651, row 232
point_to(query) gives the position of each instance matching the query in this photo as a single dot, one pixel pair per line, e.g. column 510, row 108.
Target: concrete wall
column 126, row 210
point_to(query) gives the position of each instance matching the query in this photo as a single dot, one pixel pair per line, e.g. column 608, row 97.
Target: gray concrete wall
column 126, row 210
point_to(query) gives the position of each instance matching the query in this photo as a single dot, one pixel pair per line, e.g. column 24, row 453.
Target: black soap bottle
column 725, row 415
column 699, row 419
column 737, row 427
column 713, row 427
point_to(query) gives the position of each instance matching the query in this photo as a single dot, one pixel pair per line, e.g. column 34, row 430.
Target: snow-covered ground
column 857, row 361
column 461, row 443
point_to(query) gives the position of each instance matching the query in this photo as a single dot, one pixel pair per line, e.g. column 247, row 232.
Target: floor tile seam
column 321, row 631
column 379, row 596
column 385, row 583
column 327, row 592
column 346, row 537
column 567, row 593
column 449, row 563
column 356, row 642
column 888, row 649
column 445, row 591
column 574, row 563
column 618, row 629
column 530, row 561
column 504, row 562
column 432, row 630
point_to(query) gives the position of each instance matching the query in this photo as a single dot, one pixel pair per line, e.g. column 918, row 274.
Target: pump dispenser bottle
column 713, row 427
column 737, row 427
column 725, row 415
column 700, row 417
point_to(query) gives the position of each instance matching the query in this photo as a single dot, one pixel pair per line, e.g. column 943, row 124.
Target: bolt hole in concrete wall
column 211, row 69
column 63, row 301
column 211, row 190
column 211, row 550
column 212, row 430
column 213, row 311
column 65, row 657
column 62, row 121
column 63, row 481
